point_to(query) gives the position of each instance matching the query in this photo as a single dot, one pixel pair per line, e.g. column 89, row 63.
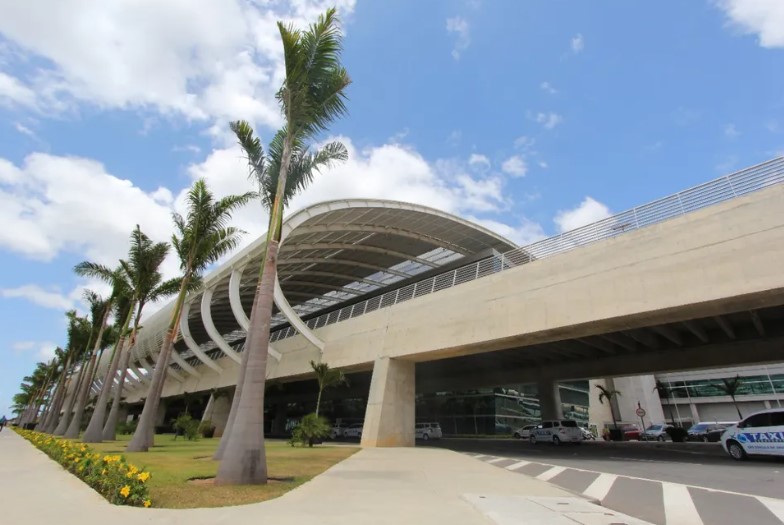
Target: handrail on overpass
column 713, row 192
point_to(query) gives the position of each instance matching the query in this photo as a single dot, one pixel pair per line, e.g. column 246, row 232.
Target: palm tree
column 664, row 391
column 77, row 342
column 141, row 282
column 265, row 171
column 327, row 377
column 50, row 395
column 27, row 402
column 99, row 315
column 730, row 387
column 609, row 394
column 311, row 97
column 84, row 337
column 202, row 238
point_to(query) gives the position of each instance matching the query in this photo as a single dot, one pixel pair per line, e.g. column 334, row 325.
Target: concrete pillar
column 390, row 413
column 221, row 406
column 207, row 415
column 279, row 423
column 642, row 390
column 549, row 399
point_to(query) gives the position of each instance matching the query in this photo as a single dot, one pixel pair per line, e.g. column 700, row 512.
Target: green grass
column 173, row 463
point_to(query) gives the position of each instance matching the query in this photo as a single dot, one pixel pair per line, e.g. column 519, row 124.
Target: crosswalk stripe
column 600, row 487
column 479, row 456
column 679, row 508
column 776, row 506
column 547, row 475
column 496, row 460
column 515, row 466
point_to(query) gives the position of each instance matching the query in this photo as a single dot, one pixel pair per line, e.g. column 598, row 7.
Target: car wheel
column 660, row 438
column 517, row 435
column 533, row 439
column 736, row 451
column 425, row 437
column 556, row 441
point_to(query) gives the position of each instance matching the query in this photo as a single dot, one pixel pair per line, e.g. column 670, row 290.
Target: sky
column 531, row 118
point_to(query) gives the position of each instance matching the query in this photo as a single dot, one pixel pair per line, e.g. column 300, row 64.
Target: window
column 547, row 424
column 760, row 420
column 569, row 423
column 777, row 418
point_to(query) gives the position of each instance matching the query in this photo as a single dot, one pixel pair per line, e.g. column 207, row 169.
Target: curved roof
column 332, row 254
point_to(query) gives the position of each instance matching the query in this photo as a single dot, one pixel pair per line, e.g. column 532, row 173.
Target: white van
column 759, row 434
column 427, row 431
column 557, row 432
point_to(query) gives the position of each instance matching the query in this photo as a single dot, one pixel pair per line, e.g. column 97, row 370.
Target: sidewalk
column 374, row 486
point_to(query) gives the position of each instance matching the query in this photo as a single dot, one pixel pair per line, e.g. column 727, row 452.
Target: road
column 665, row 484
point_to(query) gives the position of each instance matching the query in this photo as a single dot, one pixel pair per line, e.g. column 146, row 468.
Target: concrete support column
column 207, row 415
column 390, row 413
column 221, row 406
column 549, row 399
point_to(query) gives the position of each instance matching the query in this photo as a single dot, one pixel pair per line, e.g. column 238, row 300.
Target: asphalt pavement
column 666, row 484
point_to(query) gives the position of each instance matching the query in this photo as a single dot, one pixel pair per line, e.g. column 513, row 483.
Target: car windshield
column 654, row 427
column 699, row 427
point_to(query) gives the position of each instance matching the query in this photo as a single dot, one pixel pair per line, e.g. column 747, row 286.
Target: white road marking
column 600, row 487
column 479, row 456
column 515, row 466
column 776, row 506
column 496, row 460
column 547, row 475
column 679, row 508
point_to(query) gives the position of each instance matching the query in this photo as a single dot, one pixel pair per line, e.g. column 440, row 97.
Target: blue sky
column 530, row 117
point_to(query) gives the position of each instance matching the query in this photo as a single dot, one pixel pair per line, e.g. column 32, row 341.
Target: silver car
column 523, row 432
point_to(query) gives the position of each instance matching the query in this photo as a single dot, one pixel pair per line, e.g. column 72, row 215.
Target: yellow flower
column 132, row 469
column 144, row 476
column 147, row 503
column 125, row 491
column 129, row 475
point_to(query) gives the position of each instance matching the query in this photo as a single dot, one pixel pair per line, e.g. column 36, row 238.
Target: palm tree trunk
column 58, row 405
column 110, row 428
column 318, row 400
column 740, row 416
column 76, row 421
column 144, row 436
column 65, row 418
column 244, row 459
column 235, row 401
column 94, row 432
column 54, row 406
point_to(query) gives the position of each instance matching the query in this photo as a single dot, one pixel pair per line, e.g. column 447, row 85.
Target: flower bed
column 111, row 476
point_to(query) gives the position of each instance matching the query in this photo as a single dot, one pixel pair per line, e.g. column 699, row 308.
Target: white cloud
column 548, row 88
column 24, row 130
column 578, row 44
column 589, row 210
column 523, row 142
column 549, row 120
column 479, row 162
column 525, row 233
column 459, row 26
column 764, row 18
column 515, row 166
column 730, row 131
column 37, row 295
column 44, row 350
column 198, row 58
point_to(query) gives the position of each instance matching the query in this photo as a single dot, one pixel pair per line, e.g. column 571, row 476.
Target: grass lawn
column 173, row 463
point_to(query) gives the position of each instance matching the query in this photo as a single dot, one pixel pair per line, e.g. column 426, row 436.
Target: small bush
column 677, row 434
column 111, row 476
column 186, row 426
column 126, row 427
column 311, row 429
column 207, row 429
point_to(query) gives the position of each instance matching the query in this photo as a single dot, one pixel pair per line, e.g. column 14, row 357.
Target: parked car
column 699, row 431
column 759, row 434
column 353, row 431
column 631, row 432
column 557, row 432
column 427, row 431
column 338, row 430
column 656, row 433
column 714, row 433
column 523, row 432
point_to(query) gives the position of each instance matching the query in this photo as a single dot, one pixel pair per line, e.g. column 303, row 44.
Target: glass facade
column 750, row 385
column 496, row 411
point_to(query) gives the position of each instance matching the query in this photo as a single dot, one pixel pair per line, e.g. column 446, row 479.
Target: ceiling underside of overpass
column 664, row 340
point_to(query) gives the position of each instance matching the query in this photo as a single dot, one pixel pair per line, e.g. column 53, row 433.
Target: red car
column 630, row 432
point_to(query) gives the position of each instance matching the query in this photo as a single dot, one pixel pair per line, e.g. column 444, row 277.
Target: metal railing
column 719, row 190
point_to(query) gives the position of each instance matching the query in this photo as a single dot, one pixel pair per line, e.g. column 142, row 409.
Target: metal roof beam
column 356, row 247
column 295, row 320
column 726, row 326
column 697, row 330
column 322, row 285
column 185, row 330
column 215, row 335
column 345, row 262
column 337, row 275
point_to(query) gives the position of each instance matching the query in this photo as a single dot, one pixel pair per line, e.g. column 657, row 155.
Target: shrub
column 111, row 476
column 311, row 429
column 207, row 429
column 678, row 434
column 126, row 427
column 186, row 426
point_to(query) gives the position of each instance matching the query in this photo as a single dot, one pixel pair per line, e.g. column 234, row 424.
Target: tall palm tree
column 203, row 236
column 265, row 172
column 99, row 316
column 327, row 377
column 141, row 282
column 81, row 340
column 28, row 400
column 311, row 97
column 730, row 387
column 77, row 339
column 51, row 395
column 609, row 394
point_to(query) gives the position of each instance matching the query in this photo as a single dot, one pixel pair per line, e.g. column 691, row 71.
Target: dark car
column 713, row 435
column 700, row 431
